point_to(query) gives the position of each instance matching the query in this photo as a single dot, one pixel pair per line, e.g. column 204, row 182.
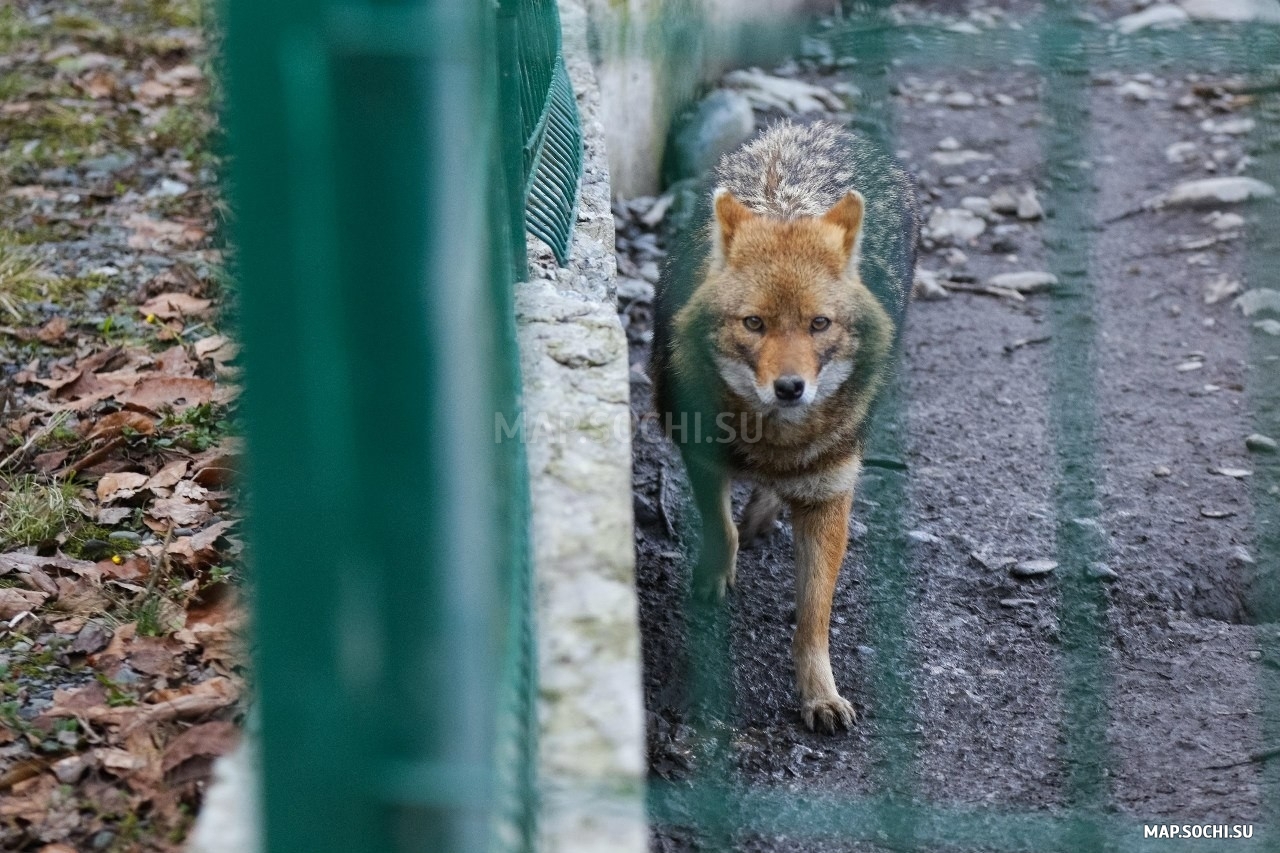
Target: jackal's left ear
column 847, row 215
column 730, row 214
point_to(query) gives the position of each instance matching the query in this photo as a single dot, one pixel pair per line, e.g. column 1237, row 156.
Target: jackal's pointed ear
column 846, row 214
column 730, row 214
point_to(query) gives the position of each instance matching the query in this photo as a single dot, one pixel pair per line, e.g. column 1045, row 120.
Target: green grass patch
column 23, row 274
column 14, row 27
column 32, row 511
column 196, row 429
column 185, row 128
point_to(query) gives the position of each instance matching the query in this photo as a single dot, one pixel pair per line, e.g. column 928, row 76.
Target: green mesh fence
column 550, row 124
column 383, row 158
column 725, row 813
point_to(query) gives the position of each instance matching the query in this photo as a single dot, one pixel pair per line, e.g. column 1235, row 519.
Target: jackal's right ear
column 847, row 215
column 730, row 214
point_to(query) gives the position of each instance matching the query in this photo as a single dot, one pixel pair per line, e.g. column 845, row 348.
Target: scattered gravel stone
column 1230, row 126
column 923, row 537
column 1137, row 91
column 1024, row 282
column 1239, row 11
column 977, row 205
column 1017, row 602
column 1180, row 152
column 961, row 100
column 1225, row 221
column 1004, row 200
column 1029, row 206
column 794, row 96
column 69, row 770
column 927, row 287
column 1234, row 473
column 1162, row 471
column 959, row 158
column 124, row 536
column 1208, row 512
column 1260, row 443
column 950, row 143
column 1103, row 572
column 1033, row 568
column 1210, row 192
column 1268, row 327
column 954, row 225
column 1219, row 289
column 1160, row 16
column 1257, row 300
column 634, row 290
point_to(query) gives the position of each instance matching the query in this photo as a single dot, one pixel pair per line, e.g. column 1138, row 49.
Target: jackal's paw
column 826, row 713
column 711, row 588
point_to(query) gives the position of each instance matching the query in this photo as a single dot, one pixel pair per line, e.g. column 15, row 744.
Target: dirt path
column 986, row 649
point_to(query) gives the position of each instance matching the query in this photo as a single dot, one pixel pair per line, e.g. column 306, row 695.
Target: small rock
column 949, row 144
column 1162, row 471
column 1238, row 11
column 1234, row 473
column 1024, row 282
column 1210, row 192
column 927, row 287
column 1268, row 327
column 634, row 290
column 1017, row 602
column 1101, row 571
column 1033, row 568
column 1136, row 91
column 1220, row 289
column 1180, row 152
column 1257, row 300
column 1160, row 16
column 1260, row 443
column 1240, row 554
column 1029, row 206
column 70, row 769
column 954, row 224
column 767, row 91
column 923, row 537
column 92, row 638
column 1225, row 221
column 959, row 158
column 976, row 204
column 1004, row 200
column 1216, row 513
column 124, row 536
column 649, row 272
column 960, row 100
column 1190, row 365
column 1230, row 126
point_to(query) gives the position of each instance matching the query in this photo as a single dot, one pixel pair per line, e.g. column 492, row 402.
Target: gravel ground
column 1172, row 379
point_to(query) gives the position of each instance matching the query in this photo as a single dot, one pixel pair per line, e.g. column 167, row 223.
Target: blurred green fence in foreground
column 383, row 157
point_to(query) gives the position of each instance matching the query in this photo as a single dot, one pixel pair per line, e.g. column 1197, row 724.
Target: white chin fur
column 832, row 376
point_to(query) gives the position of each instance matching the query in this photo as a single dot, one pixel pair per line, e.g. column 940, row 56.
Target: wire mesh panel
column 725, row 812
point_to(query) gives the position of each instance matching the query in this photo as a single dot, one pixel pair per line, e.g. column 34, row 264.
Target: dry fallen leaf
column 174, row 306
column 116, row 487
column 53, row 331
column 158, row 235
column 156, row 392
column 115, row 423
column 14, row 601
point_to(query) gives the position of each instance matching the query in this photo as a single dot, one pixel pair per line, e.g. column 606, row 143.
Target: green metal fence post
column 388, row 525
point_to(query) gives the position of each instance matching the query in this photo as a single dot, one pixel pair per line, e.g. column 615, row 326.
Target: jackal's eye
column 753, row 323
column 820, row 324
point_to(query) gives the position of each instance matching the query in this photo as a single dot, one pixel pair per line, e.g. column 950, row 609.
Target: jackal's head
column 789, row 315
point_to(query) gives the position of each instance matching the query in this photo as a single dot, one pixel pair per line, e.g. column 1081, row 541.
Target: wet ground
column 986, row 680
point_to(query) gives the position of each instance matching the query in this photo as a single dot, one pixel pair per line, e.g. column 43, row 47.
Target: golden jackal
column 775, row 331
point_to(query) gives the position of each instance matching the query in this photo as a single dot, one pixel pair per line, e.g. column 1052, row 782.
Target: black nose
column 788, row 388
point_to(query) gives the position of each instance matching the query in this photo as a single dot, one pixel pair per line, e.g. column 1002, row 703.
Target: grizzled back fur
column 794, row 170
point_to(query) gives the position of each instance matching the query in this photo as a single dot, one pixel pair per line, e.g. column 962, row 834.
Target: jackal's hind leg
column 759, row 515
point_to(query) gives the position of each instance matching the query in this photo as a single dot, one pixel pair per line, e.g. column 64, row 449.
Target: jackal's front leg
column 718, row 558
column 821, row 533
